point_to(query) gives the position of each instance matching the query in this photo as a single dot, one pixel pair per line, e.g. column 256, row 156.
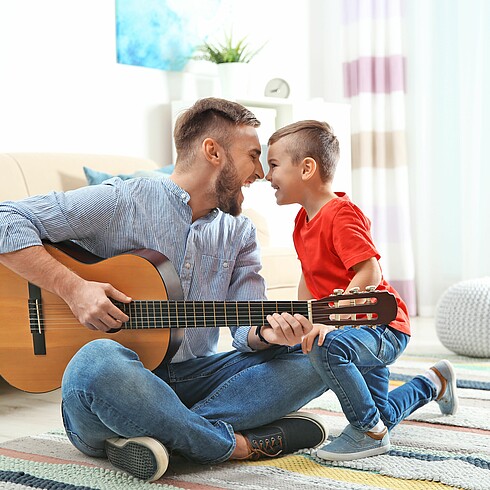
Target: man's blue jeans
column 193, row 407
column 353, row 363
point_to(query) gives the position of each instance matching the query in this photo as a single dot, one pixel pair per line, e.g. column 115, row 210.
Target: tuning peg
column 337, row 292
column 354, row 290
column 370, row 289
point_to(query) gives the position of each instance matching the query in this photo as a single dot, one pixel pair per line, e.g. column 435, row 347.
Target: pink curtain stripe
column 355, row 10
column 374, row 75
column 371, row 77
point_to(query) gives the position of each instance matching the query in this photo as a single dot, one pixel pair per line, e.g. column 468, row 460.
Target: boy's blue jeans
column 193, row 407
column 353, row 363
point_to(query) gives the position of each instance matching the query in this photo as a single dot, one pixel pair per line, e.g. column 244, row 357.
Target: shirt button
column 187, row 265
column 225, row 265
column 183, row 196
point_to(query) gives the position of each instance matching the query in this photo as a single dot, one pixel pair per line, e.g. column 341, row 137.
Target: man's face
column 242, row 167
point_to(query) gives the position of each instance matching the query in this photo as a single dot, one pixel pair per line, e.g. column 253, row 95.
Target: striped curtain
column 374, row 83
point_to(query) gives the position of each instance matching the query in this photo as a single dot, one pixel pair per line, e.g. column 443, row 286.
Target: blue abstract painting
column 162, row 34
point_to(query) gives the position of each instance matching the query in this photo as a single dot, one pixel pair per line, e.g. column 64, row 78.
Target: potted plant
column 232, row 60
column 227, row 51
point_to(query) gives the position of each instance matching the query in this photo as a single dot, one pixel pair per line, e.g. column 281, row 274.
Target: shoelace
column 265, row 447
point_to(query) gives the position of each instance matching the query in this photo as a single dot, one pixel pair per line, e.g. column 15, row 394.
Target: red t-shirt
column 328, row 246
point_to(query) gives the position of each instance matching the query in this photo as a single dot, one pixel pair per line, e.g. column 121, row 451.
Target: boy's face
column 284, row 175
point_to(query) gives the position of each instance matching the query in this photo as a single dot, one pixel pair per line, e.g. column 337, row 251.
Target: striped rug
column 429, row 451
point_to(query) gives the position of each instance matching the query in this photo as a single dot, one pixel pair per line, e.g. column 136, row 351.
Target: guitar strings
column 176, row 314
column 150, row 322
column 182, row 313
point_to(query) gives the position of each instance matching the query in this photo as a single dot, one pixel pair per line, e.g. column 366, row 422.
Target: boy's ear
column 212, row 151
column 309, row 168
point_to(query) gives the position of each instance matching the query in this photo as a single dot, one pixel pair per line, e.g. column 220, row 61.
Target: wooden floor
column 24, row 414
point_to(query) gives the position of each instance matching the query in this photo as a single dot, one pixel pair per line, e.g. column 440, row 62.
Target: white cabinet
column 276, row 113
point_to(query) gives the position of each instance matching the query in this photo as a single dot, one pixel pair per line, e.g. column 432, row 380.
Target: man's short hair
column 209, row 118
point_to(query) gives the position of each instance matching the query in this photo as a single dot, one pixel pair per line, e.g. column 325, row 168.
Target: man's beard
column 227, row 189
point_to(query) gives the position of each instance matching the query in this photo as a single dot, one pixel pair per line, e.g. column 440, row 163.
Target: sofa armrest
column 12, row 183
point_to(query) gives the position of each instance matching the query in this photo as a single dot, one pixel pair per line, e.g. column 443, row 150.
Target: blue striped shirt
column 216, row 257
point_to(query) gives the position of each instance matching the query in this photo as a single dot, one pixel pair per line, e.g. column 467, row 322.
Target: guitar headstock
column 356, row 308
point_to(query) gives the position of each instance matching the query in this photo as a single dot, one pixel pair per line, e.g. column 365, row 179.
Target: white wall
column 61, row 89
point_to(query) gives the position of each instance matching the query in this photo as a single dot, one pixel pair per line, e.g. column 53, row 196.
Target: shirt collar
column 184, row 197
column 180, row 193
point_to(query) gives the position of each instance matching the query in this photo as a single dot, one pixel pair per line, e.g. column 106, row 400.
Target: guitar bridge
column 36, row 320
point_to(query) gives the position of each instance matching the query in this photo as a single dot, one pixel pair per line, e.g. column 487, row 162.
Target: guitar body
column 141, row 274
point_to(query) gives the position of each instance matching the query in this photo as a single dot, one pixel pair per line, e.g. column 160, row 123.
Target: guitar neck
column 201, row 314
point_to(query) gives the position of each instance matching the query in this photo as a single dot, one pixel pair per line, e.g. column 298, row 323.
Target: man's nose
column 259, row 171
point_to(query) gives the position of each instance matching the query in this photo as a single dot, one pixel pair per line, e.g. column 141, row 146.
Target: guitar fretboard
column 199, row 314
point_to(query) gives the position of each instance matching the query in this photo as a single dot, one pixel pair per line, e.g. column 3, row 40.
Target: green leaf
column 226, row 52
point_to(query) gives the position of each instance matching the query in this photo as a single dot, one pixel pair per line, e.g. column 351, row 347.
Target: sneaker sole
column 142, row 457
column 352, row 456
column 314, row 418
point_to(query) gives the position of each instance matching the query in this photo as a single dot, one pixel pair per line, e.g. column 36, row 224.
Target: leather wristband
column 260, row 336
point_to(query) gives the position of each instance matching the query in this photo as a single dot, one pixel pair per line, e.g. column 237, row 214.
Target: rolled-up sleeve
column 56, row 216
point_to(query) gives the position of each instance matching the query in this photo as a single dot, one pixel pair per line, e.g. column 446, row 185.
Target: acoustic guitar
column 39, row 334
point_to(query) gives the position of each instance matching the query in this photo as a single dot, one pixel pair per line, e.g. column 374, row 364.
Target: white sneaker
column 142, row 457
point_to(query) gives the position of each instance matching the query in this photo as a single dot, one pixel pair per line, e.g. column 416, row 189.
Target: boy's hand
column 318, row 330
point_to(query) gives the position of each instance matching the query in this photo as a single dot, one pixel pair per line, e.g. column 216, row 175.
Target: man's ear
column 308, row 168
column 212, row 151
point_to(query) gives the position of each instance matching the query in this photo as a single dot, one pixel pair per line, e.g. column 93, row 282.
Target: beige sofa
column 27, row 174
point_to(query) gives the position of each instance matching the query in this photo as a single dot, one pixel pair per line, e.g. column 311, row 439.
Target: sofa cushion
column 97, row 177
column 38, row 173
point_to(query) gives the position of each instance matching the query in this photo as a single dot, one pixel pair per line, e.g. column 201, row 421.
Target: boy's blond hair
column 313, row 139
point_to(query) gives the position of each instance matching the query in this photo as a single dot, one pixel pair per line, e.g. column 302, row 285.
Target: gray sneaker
column 142, row 457
column 354, row 444
column 448, row 397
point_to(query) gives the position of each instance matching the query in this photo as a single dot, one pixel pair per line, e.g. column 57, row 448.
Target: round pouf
column 463, row 318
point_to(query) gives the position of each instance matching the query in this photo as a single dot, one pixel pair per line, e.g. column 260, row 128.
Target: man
column 205, row 406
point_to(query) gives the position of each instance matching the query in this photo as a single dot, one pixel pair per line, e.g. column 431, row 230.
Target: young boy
column 333, row 242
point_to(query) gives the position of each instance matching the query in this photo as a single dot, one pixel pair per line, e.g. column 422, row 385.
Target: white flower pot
column 234, row 78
